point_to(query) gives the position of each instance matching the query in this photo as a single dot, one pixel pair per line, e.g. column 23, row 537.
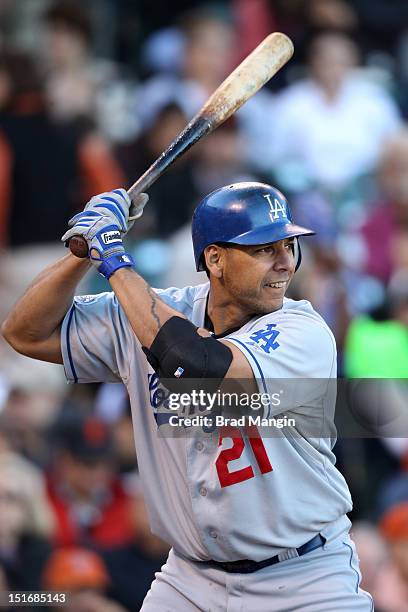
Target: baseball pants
column 324, row 580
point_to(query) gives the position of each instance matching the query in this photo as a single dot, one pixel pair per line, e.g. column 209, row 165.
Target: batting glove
column 103, row 223
column 116, row 205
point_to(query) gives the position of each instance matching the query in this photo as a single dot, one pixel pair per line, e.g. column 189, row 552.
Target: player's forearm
column 39, row 312
column 144, row 309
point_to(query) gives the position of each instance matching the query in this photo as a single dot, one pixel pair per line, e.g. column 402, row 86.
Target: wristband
column 114, row 262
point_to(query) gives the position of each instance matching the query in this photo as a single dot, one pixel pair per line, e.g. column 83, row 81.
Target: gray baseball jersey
column 229, row 497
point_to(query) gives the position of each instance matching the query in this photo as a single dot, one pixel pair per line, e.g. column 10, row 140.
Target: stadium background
column 90, row 94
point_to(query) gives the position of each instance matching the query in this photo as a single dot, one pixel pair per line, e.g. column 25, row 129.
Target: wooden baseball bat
column 253, row 72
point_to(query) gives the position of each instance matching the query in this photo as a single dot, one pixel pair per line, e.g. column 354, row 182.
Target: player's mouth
column 278, row 285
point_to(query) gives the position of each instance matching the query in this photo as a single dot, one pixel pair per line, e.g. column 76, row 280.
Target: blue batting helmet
column 243, row 213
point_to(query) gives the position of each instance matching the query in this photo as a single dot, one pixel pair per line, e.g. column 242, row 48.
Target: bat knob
column 78, row 246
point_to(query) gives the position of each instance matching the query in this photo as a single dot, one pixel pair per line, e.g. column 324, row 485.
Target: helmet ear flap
column 297, row 253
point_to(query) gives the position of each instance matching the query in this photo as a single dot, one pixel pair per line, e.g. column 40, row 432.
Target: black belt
column 245, row 566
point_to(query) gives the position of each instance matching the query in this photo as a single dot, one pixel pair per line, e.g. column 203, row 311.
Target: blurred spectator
column 384, row 234
column 98, row 508
column 172, row 196
column 398, row 295
column 209, row 52
column 391, row 594
column 75, row 568
column 322, row 281
column 221, row 159
column 255, row 20
column 80, row 85
column 332, row 14
column 132, row 571
column 71, row 80
column 163, row 51
column 82, row 574
column 112, row 406
column 376, row 345
column 207, row 60
column 89, row 500
column 19, row 21
column 3, row 582
column 132, row 566
column 382, row 23
column 26, row 523
column 297, row 18
column 209, row 56
column 40, row 187
column 181, row 268
column 332, row 125
column 111, row 402
column 372, row 553
column 28, row 413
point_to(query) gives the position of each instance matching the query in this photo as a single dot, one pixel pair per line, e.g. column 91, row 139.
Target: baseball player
column 255, row 521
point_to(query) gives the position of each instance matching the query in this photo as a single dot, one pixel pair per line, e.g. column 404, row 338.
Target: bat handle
column 78, row 246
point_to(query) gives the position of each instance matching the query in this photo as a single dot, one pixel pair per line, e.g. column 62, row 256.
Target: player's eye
column 290, row 244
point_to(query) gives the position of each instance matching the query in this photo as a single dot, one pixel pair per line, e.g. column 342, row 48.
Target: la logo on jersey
column 276, row 207
column 266, row 338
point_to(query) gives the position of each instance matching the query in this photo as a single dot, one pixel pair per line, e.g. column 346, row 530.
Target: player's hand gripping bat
column 255, row 70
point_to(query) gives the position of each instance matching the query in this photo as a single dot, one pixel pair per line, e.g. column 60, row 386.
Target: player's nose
column 283, row 259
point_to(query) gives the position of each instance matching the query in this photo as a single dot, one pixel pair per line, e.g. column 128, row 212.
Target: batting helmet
column 243, row 213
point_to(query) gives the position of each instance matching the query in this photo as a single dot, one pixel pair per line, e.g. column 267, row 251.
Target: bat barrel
column 247, row 78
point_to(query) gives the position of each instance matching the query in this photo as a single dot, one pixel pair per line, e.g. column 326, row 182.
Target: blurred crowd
column 90, row 94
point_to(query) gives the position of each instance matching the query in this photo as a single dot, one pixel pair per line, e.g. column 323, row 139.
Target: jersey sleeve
column 285, row 355
column 97, row 341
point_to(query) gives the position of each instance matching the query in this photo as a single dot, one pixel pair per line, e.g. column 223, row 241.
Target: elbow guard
column 178, row 352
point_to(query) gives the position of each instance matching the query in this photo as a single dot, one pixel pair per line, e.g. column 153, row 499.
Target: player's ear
column 213, row 256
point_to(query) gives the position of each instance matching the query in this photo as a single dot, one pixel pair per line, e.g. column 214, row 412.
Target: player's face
column 257, row 277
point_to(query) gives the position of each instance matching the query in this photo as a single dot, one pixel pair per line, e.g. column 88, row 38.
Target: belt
column 245, row 566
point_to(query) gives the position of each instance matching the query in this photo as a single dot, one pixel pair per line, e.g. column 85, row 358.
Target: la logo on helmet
column 276, row 207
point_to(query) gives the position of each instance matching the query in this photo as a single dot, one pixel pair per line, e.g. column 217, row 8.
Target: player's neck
column 224, row 314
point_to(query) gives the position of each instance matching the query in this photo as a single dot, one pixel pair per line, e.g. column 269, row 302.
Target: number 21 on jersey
column 228, row 477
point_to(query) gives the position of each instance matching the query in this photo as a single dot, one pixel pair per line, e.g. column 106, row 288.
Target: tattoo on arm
column 153, row 297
